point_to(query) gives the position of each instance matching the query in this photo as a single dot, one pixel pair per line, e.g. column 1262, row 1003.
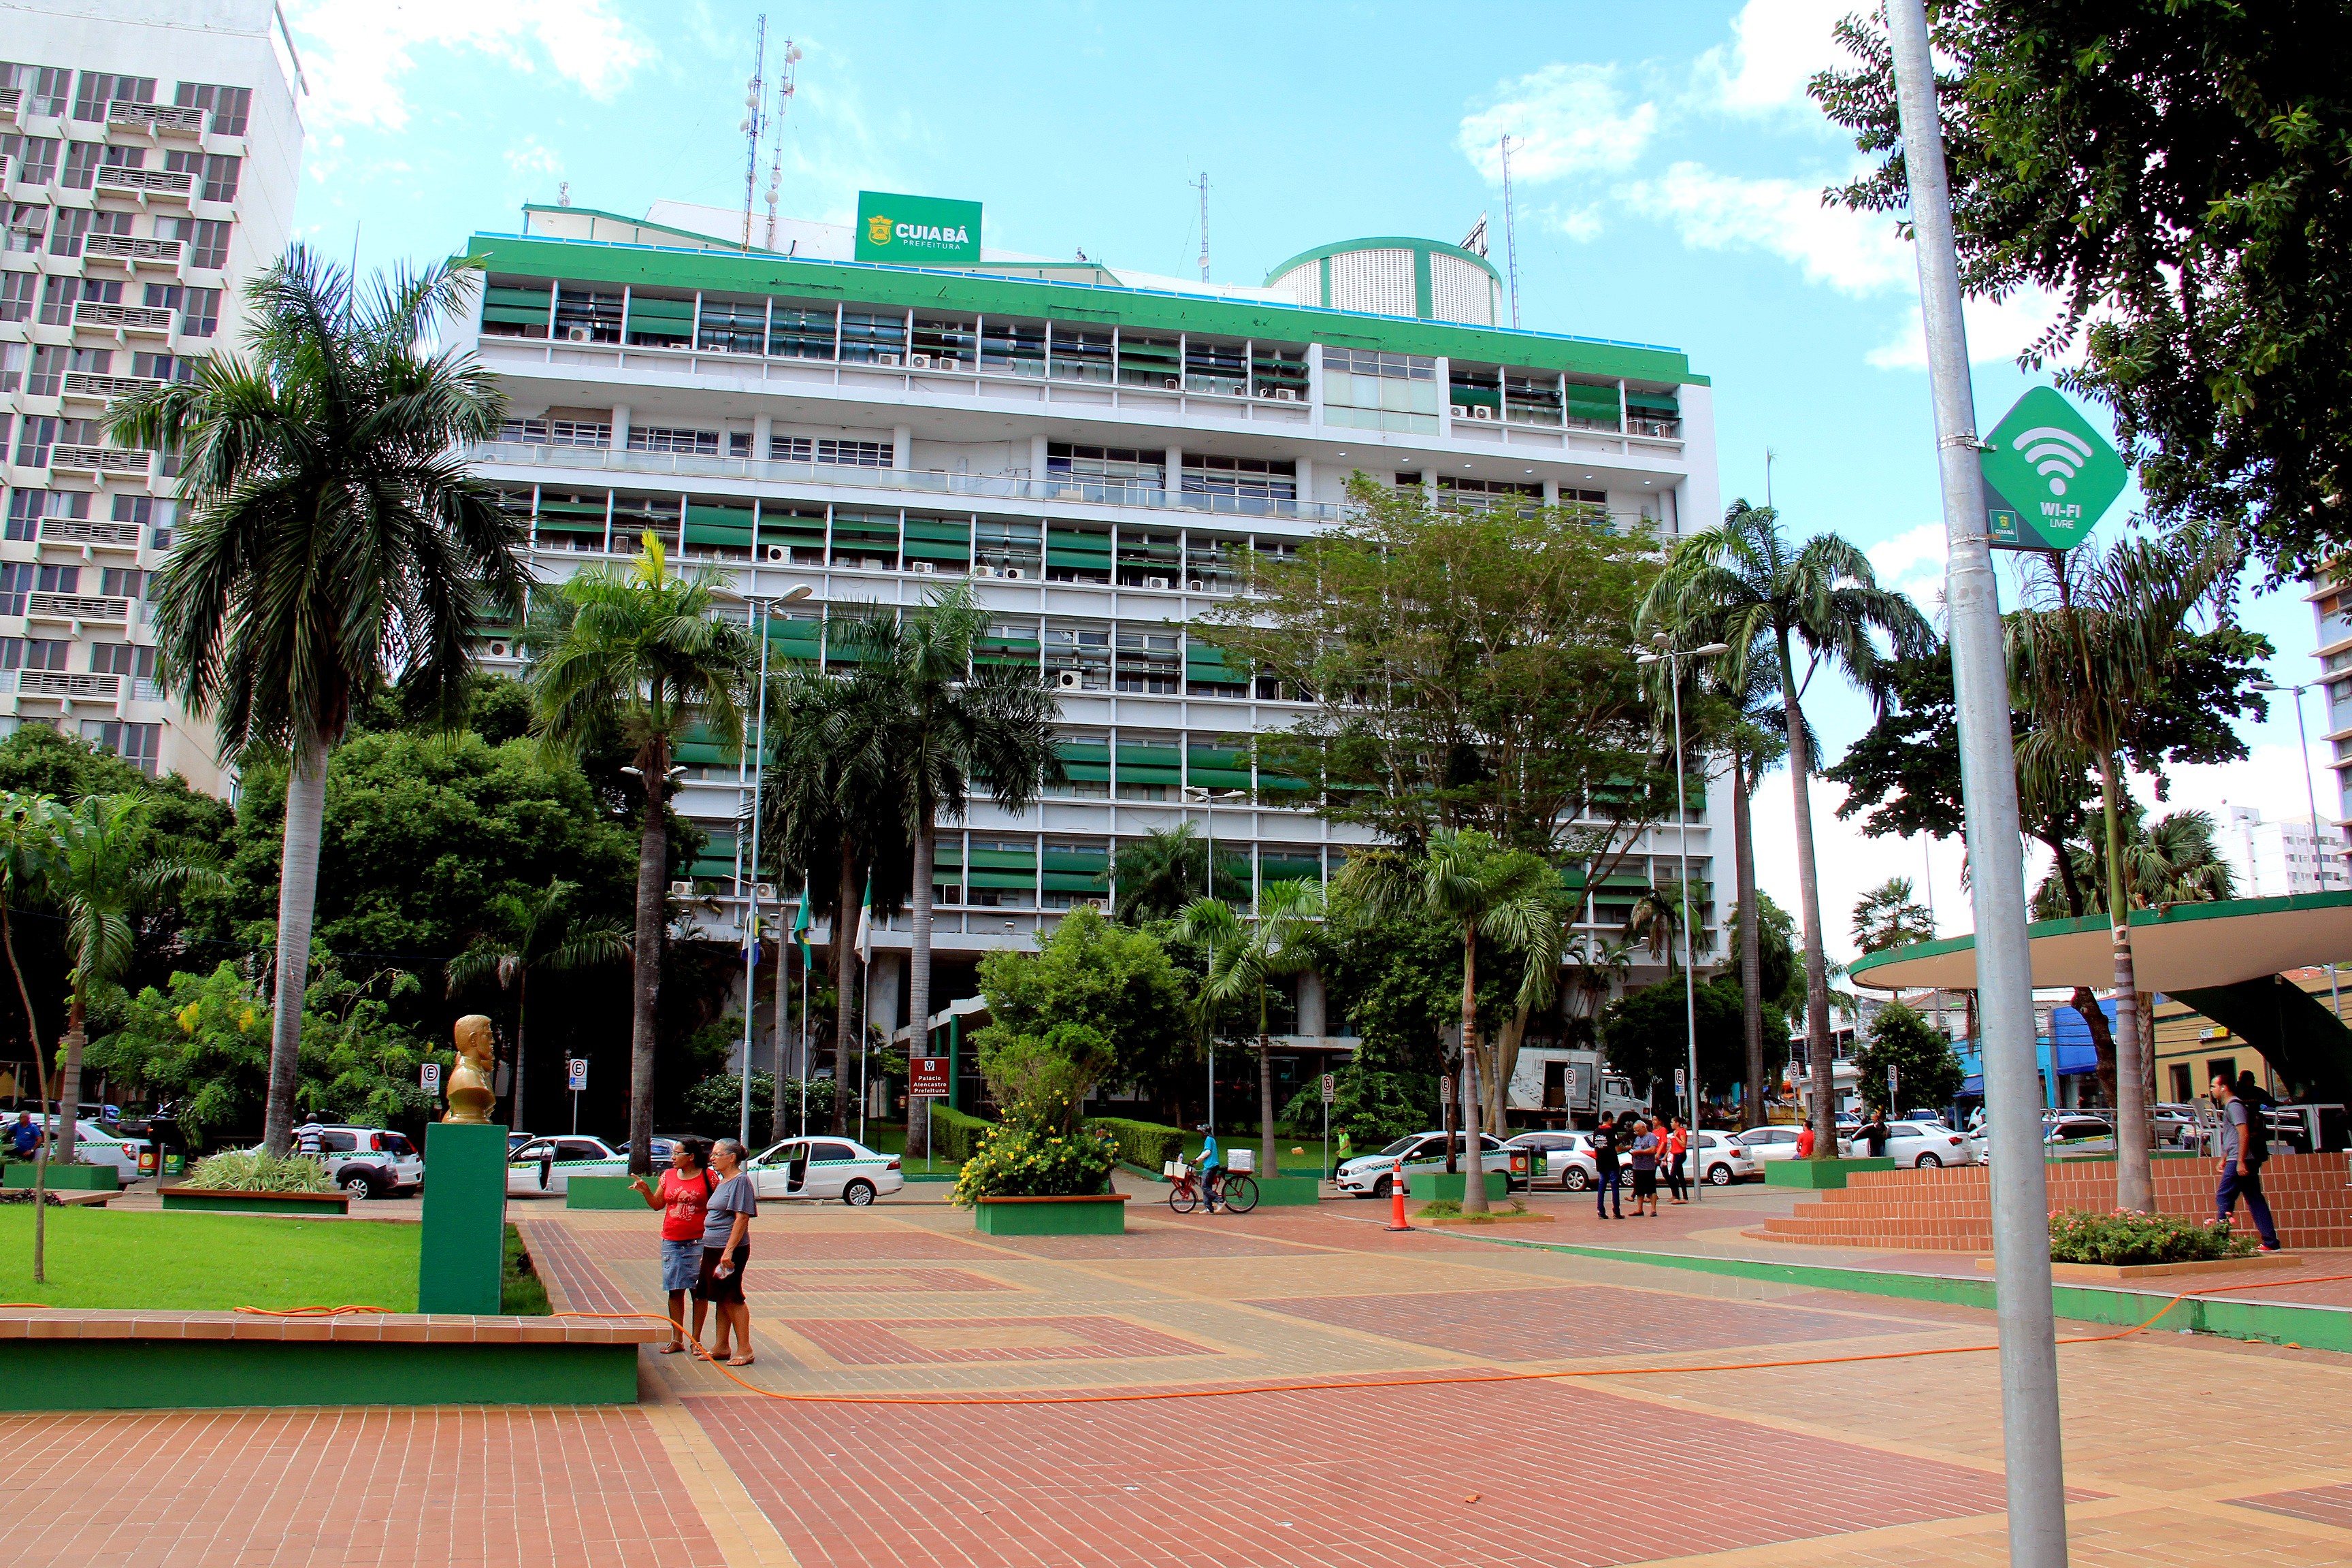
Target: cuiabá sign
column 919, row 231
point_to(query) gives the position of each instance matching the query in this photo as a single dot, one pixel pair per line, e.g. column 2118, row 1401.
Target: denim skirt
column 681, row 1263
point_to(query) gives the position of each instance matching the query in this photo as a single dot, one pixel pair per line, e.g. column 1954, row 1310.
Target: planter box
column 1287, row 1191
column 221, row 1200
column 2100, row 1273
column 1819, row 1174
column 65, row 1178
column 1441, row 1185
column 1104, row 1216
column 602, row 1193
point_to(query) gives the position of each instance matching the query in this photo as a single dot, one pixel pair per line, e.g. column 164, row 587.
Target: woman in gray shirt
column 725, row 1249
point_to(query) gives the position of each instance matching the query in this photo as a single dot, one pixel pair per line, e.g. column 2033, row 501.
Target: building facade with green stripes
column 1089, row 450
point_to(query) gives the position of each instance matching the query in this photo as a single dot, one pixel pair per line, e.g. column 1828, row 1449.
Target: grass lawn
column 208, row 1262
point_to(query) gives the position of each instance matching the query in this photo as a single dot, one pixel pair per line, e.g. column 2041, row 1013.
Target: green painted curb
column 1288, row 1192
column 64, row 1178
column 180, row 1375
column 1819, row 1176
column 600, row 1192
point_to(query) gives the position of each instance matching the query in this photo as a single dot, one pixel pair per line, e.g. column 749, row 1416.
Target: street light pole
column 751, row 910
column 2031, row 1453
column 1208, row 799
column 2311, row 801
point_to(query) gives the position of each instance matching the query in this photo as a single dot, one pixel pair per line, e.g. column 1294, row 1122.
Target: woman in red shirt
column 684, row 1192
column 1805, row 1142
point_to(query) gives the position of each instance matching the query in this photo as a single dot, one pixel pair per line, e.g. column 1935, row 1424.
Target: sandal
column 676, row 1347
column 740, row 1361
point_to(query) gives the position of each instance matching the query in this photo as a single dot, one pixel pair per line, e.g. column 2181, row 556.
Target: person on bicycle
column 1212, row 1171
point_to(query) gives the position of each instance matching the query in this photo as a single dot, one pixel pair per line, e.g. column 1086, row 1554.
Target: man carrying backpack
column 2246, row 1147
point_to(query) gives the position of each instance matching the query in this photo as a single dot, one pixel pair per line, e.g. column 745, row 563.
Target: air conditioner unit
column 875, row 563
column 778, row 553
column 1155, row 582
column 925, row 567
column 919, row 361
column 1014, row 574
column 498, row 650
column 1283, row 394
column 1480, row 411
column 983, row 571
column 1069, row 681
column 579, row 335
column 1196, row 587
column 681, row 889
column 764, row 891
column 1459, row 410
column 886, row 359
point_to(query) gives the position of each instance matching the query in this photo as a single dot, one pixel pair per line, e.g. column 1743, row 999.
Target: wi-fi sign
column 2049, row 474
column 2056, row 454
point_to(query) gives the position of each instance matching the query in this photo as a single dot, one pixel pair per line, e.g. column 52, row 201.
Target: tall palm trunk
column 1751, row 941
column 523, row 1020
column 1474, row 1176
column 2135, row 1181
column 1823, row 1069
column 844, row 995
column 644, row 981
column 919, row 984
column 1267, row 1151
column 41, row 1068
column 297, row 893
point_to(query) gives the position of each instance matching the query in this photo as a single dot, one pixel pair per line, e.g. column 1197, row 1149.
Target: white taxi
column 545, row 1166
column 821, row 1168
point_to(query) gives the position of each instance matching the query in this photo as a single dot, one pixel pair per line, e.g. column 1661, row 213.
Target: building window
column 827, row 450
column 66, row 234
column 47, row 88
column 34, row 653
column 1251, row 478
column 869, row 336
column 122, row 658
column 797, row 333
column 16, row 294
column 557, row 432
column 1107, row 465
column 98, row 89
column 15, row 582
column 199, row 308
column 165, row 367
column 57, row 580
column 141, row 745
column 220, row 178
column 35, row 436
column 207, row 239
column 126, row 157
column 36, row 158
column 83, row 160
column 28, row 225
column 731, row 326
column 659, row 438
column 12, row 366
column 122, row 581
column 582, row 317
column 228, row 106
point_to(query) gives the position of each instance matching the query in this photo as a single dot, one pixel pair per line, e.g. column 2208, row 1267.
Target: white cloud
column 1912, row 562
column 1563, row 121
column 357, row 55
column 1855, row 253
column 1578, row 223
column 1777, row 46
column 1997, row 330
column 529, row 157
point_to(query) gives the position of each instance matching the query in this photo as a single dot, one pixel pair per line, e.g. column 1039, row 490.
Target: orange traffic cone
column 1396, row 1200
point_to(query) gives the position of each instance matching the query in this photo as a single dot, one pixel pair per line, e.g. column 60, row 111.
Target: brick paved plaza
column 2178, row 1448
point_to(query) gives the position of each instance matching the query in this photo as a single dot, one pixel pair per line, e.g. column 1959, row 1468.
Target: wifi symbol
column 2057, row 455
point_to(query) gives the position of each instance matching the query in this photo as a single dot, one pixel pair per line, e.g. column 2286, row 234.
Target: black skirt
column 713, row 1287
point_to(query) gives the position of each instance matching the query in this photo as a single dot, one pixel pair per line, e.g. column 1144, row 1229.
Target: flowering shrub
column 2077, row 1236
column 1035, row 1163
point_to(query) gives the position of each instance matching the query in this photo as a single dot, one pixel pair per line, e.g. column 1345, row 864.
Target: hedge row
column 955, row 1136
column 1144, row 1144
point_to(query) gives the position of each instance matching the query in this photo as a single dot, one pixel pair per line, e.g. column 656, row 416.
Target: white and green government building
column 875, row 411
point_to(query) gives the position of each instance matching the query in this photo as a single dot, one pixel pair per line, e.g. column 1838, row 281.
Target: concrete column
column 1037, row 459
column 1551, row 492
column 1311, row 1003
column 902, row 447
column 1174, row 480
column 1306, row 478
column 1444, row 395
column 885, row 988
column 763, row 430
column 620, row 427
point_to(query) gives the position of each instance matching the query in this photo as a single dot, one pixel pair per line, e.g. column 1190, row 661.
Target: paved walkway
column 2177, row 1446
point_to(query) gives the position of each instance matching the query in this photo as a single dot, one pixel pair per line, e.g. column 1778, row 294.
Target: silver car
column 1919, row 1145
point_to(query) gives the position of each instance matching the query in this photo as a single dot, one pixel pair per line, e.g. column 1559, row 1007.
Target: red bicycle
column 1232, row 1189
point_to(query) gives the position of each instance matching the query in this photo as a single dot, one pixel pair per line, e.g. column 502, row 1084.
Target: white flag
column 865, row 925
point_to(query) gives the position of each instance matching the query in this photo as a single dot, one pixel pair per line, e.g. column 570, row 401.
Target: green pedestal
column 1051, row 1217
column 1443, row 1188
column 602, row 1193
column 463, row 1242
column 1288, row 1190
column 1818, row 1176
column 65, row 1178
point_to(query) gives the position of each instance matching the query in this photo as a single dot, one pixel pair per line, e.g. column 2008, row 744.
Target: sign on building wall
column 917, row 231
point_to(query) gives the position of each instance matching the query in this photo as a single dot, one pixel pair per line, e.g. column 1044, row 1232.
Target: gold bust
column 470, row 1095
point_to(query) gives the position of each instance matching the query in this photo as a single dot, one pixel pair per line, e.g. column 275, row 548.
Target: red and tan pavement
column 905, row 1342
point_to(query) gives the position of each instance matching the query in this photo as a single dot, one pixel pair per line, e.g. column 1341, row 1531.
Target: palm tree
column 1155, row 876
column 28, row 847
column 1508, row 897
column 956, row 726
column 1245, row 954
column 1596, row 966
column 632, row 655
column 331, row 537
column 2103, row 633
column 1656, row 921
column 535, row 932
column 1744, row 580
column 1749, row 679
column 1889, row 916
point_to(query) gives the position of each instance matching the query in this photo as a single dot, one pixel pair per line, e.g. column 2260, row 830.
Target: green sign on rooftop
column 917, row 231
column 2048, row 475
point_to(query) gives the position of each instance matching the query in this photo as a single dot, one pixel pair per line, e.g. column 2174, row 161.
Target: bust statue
column 470, row 1095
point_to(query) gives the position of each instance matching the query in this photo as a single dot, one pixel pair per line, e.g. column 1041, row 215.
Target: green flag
column 799, row 933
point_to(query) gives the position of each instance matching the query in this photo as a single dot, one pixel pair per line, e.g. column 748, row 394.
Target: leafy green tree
column 1645, row 1033
column 1746, row 582
column 1927, row 1071
column 2174, row 175
column 1154, row 877
column 2174, row 859
column 534, row 932
column 634, row 654
column 1116, row 981
column 1244, row 956
column 1890, row 915
column 330, row 534
column 955, row 727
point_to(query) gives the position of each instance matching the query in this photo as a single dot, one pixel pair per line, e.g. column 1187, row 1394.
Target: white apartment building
column 148, row 155
column 2274, row 859
column 1086, row 446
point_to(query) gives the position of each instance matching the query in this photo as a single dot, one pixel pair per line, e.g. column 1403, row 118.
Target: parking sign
column 1330, row 1087
column 577, row 1076
column 429, row 1074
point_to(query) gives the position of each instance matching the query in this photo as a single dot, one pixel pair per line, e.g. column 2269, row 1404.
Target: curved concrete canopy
column 2183, row 947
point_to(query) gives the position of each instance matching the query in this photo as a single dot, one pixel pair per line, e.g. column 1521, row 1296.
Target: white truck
column 1561, row 1086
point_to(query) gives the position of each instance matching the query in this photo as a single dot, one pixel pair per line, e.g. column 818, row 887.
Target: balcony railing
column 167, row 182
column 928, row 481
column 155, row 116
column 68, row 683
column 77, row 531
column 77, row 607
column 10, row 97
column 145, row 691
column 130, row 249
column 1661, row 429
column 138, row 318
column 83, row 383
column 102, row 459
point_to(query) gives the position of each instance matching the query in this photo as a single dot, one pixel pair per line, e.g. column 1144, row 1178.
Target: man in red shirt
column 1805, row 1142
column 684, row 1192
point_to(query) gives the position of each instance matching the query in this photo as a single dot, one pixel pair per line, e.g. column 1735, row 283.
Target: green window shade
column 1087, row 773
column 1149, row 765
column 661, row 317
column 1005, row 650
column 1005, row 859
column 1573, row 877
column 1271, row 781
column 1475, row 397
column 1288, row 868
column 1072, row 882
column 520, row 307
column 1089, row 552
column 1653, row 403
column 1206, row 657
column 938, row 539
column 708, row 524
column 1084, row 866
column 1591, row 401
column 947, row 855
column 1218, row 769
column 1003, row 879
column 571, row 517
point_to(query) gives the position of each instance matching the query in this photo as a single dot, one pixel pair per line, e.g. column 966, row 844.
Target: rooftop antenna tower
column 1510, row 234
column 1201, row 185
column 754, row 121
column 776, row 164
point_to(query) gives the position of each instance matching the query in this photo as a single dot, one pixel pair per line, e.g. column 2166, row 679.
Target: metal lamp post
column 751, row 909
column 1208, row 798
column 1673, row 658
column 2311, row 800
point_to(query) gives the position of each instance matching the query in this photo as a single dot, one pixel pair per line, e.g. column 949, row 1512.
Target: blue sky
column 1667, row 190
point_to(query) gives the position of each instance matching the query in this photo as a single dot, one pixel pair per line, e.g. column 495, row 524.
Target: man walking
column 2245, row 1148
column 1606, row 1191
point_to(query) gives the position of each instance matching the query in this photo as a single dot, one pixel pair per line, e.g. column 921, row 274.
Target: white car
column 371, row 1162
column 1423, row 1154
column 94, row 1146
column 1558, row 1157
column 1766, row 1144
column 1919, row 1145
column 546, row 1165
column 1723, row 1159
column 821, row 1168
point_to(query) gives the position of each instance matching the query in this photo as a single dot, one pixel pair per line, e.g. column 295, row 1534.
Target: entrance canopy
column 2181, row 947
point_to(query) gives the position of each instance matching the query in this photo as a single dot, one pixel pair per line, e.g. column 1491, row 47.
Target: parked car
column 93, row 1144
column 2063, row 1132
column 1552, row 1158
column 1919, row 1144
column 517, row 1139
column 822, row 1168
column 1766, row 1144
column 1723, row 1159
column 546, row 1165
column 371, row 1162
column 1423, row 1155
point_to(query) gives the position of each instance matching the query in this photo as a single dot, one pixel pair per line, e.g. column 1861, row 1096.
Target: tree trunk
column 1449, row 1118
column 2134, row 1179
column 2084, row 1001
column 69, row 1089
column 844, row 995
column 41, row 1069
column 918, row 983
column 779, row 1128
column 522, row 1021
column 1751, row 939
column 1270, row 1154
column 645, row 988
column 1506, row 1066
column 1474, row 1179
column 298, row 891
column 1819, row 1059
